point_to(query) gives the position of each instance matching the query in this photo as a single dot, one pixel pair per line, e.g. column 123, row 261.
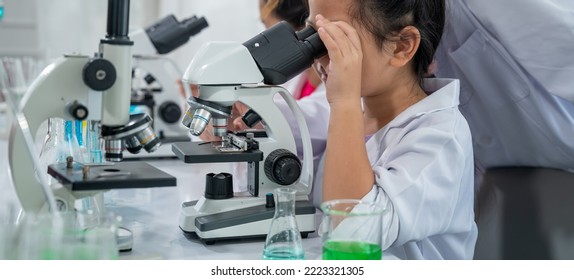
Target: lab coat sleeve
column 421, row 182
column 539, row 35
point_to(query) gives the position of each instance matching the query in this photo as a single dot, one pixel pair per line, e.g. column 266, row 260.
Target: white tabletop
column 152, row 215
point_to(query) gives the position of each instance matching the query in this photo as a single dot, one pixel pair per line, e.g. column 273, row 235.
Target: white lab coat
column 424, row 174
column 515, row 61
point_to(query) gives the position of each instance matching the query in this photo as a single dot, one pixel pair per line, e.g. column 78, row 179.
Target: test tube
column 93, row 139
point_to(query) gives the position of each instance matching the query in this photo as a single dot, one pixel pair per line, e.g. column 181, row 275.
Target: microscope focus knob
column 282, row 167
column 99, row 74
column 78, row 111
column 169, row 112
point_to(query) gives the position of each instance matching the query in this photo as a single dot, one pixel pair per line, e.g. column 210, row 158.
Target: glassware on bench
column 351, row 230
column 284, row 239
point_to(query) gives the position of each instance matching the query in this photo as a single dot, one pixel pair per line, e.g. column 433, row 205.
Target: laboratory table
column 152, row 215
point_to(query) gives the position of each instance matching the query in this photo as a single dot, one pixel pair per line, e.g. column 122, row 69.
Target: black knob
column 78, row 111
column 251, row 118
column 99, row 74
column 282, row 167
column 149, row 79
column 169, row 112
column 218, row 186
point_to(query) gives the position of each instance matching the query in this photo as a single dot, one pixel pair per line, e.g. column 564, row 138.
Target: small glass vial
column 284, row 239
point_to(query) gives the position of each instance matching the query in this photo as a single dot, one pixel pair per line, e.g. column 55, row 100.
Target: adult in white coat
column 515, row 61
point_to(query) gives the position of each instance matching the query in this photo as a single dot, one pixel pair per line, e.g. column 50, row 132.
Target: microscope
column 98, row 89
column 229, row 72
column 154, row 79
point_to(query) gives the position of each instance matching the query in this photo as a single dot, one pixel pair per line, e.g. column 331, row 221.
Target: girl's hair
column 385, row 18
column 295, row 12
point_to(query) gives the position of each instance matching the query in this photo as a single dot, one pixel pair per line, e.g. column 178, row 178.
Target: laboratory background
column 36, row 34
column 195, row 129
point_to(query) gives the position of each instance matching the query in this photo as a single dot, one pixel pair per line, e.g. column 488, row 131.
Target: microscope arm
column 306, row 179
column 58, row 86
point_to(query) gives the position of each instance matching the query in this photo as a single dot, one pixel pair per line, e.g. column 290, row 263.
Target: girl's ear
column 405, row 46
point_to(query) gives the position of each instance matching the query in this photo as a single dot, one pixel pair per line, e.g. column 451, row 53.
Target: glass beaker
column 352, row 230
column 72, row 235
column 284, row 239
column 53, row 149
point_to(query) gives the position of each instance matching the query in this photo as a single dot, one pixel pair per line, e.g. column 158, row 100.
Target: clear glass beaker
column 53, row 149
column 352, row 230
column 73, row 235
column 284, row 239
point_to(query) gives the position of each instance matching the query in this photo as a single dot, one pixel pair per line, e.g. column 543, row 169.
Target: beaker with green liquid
column 352, row 230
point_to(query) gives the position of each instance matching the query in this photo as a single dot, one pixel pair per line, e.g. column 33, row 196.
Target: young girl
column 394, row 137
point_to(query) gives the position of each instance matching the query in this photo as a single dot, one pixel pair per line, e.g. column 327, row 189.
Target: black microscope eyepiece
column 169, row 34
column 281, row 53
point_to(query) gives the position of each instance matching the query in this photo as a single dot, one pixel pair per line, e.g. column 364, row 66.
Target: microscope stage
column 202, row 152
column 120, row 175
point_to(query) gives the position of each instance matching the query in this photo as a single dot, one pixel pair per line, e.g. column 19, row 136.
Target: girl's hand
column 343, row 70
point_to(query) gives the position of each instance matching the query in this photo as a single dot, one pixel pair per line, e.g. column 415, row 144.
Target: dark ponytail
column 385, row 18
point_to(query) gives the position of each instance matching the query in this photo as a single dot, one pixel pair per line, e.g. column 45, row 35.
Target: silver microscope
column 229, row 72
column 98, row 88
column 154, row 79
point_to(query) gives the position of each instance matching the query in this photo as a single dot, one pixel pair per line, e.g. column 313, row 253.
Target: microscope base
column 250, row 222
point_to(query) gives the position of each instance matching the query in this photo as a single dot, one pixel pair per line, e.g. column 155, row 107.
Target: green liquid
column 283, row 254
column 351, row 250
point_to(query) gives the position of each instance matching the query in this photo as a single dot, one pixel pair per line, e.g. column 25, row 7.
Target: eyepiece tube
column 316, row 45
column 281, row 53
column 305, row 33
column 194, row 25
column 118, row 19
column 169, row 34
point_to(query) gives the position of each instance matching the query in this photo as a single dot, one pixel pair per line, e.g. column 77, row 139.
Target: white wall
column 229, row 20
column 18, row 29
column 50, row 28
column 78, row 25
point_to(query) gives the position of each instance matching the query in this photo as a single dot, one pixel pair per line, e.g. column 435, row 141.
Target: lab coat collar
column 442, row 94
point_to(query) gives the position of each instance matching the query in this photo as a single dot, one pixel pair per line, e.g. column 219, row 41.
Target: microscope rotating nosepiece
column 136, row 134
